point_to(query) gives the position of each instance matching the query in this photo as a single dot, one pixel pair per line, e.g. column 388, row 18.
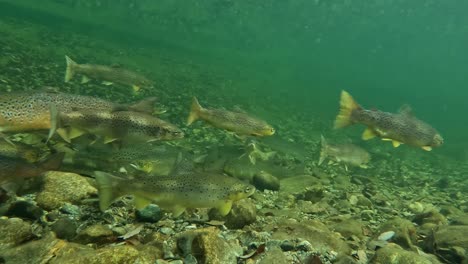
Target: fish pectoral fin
column 141, row 202
column 387, row 139
column 75, row 132
column 64, row 134
column 107, row 83
column 84, row 79
column 427, row 148
column 108, row 139
column 363, row 166
column 368, row 134
column 225, row 208
column 177, row 210
column 396, row 144
column 136, row 88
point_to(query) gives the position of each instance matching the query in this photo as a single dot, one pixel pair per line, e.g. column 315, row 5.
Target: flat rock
column 450, row 242
column 62, row 187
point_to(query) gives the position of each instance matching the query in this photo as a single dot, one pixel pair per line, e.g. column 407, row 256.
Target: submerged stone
column 14, row 231
column 151, row 214
column 243, row 212
column 25, row 209
column 61, row 187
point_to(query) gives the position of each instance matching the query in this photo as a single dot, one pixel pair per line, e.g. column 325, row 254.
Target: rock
column 208, row 247
column 405, row 232
column 77, row 254
column 313, row 194
column 394, row 254
column 25, row 209
column 274, row 255
column 287, row 245
column 431, row 216
column 64, row 228
column 36, row 251
column 265, row 181
column 348, row 228
column 243, row 212
column 14, row 231
column 460, row 220
column 317, row 235
column 60, row 188
column 449, row 242
column 70, row 209
column 151, row 214
column 99, row 234
column 296, row 184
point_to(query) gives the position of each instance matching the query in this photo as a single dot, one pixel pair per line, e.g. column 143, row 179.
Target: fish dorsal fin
column 238, row 109
column 182, row 166
column 144, row 106
column 406, row 110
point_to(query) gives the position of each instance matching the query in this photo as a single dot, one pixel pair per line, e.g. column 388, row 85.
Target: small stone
column 64, row 228
column 287, row 245
column 243, row 212
column 167, row 231
column 304, row 245
column 151, row 214
column 61, row 187
column 274, row 255
column 25, row 209
column 99, row 234
column 265, row 181
column 70, row 209
column 394, row 254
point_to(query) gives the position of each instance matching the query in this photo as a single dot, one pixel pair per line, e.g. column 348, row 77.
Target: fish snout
column 437, row 140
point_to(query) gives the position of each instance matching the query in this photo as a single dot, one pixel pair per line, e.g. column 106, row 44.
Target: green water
column 299, row 54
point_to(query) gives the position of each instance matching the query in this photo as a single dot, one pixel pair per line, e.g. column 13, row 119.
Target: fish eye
column 248, row 189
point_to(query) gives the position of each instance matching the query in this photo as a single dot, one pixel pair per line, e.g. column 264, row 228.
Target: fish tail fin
column 70, row 71
column 194, row 111
column 347, row 107
column 107, row 192
column 53, row 162
column 323, row 150
column 144, row 106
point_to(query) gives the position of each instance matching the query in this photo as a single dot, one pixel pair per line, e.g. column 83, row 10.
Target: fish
column 399, row 128
column 107, row 74
column 12, row 169
column 125, row 126
column 176, row 192
column 30, row 111
column 238, row 122
column 348, row 154
column 20, row 150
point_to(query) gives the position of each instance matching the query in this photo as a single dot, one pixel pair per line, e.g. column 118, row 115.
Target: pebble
column 287, row 245
column 385, row 236
column 64, row 228
column 150, row 214
column 304, row 246
column 167, row 231
column 70, row 209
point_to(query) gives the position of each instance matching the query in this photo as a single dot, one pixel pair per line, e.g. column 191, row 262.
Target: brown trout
column 237, row 122
column 14, row 168
column 31, row 111
column 399, row 128
column 175, row 193
column 348, row 154
column 106, row 74
column 127, row 126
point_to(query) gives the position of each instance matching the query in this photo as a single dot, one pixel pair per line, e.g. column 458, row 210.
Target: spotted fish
column 237, row 122
column 128, row 126
column 399, row 128
column 176, row 192
column 347, row 154
column 106, row 74
column 29, row 111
